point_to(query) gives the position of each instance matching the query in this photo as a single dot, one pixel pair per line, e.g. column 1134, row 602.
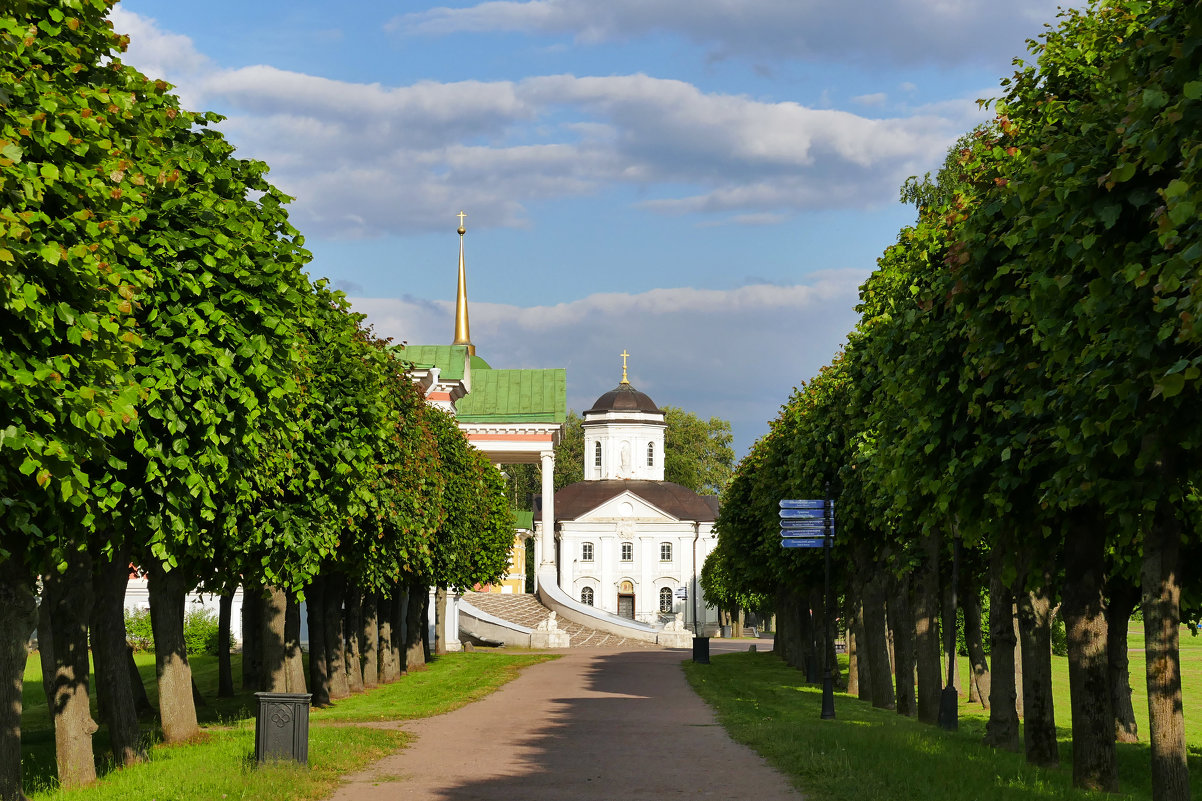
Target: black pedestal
column 282, row 727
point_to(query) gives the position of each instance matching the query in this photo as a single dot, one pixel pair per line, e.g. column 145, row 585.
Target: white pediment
column 626, row 506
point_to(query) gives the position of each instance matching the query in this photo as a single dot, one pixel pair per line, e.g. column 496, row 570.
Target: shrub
column 200, row 631
column 137, row 630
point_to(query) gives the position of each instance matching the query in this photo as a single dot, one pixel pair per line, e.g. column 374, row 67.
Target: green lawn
column 222, row 766
column 870, row 753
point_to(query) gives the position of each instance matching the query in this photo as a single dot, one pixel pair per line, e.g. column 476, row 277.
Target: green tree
column 697, row 453
column 79, row 151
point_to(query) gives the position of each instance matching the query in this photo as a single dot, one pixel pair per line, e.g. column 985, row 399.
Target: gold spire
column 462, row 336
column 624, row 355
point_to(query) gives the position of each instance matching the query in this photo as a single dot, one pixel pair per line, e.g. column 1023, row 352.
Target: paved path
column 593, row 724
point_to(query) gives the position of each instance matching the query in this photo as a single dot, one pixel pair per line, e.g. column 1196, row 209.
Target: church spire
column 462, row 336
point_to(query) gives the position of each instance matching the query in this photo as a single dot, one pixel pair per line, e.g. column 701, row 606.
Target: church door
column 626, row 606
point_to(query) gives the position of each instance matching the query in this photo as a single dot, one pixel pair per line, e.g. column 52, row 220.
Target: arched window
column 597, row 455
column 665, row 599
column 651, row 454
column 665, row 552
column 628, row 552
column 586, row 552
column 586, row 596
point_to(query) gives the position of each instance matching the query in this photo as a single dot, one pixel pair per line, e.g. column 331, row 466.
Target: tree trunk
column 252, row 623
column 46, row 655
column 876, row 644
column 947, row 630
column 225, row 674
column 426, row 626
column 294, row 660
column 1018, row 663
column 415, row 654
column 335, row 645
column 399, row 621
column 1085, row 621
column 109, row 655
column 1034, row 628
column 70, row 597
column 369, row 639
column 853, row 663
column 1002, row 729
column 901, row 620
column 1123, row 596
column 18, row 616
column 1161, row 579
column 976, row 645
column 926, row 624
column 863, row 660
column 142, row 706
column 177, row 708
column 352, row 628
column 319, row 672
column 271, row 640
column 814, row 610
column 440, row 621
column 384, row 651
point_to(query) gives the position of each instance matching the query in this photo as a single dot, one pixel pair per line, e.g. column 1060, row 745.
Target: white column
column 547, row 459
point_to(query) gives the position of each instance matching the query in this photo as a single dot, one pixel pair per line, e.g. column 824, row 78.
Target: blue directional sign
column 802, row 514
column 807, row 532
column 806, row 523
column 805, row 504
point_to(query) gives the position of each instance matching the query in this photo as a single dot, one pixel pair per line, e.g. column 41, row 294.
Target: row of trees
column 176, row 393
column 1022, row 387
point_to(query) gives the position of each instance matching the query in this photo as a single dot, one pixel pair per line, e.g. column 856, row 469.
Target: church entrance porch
column 626, row 606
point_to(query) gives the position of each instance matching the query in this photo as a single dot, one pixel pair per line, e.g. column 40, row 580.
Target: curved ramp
column 525, row 613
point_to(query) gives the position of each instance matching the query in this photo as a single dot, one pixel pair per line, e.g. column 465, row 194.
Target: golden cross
column 624, row 355
column 461, row 215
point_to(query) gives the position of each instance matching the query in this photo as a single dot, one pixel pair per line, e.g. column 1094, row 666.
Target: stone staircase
column 525, row 610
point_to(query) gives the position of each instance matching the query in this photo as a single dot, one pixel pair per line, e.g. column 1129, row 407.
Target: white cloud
column 772, row 338
column 874, row 99
column 367, row 159
column 881, row 32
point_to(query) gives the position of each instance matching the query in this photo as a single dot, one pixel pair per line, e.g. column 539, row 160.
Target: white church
column 627, row 542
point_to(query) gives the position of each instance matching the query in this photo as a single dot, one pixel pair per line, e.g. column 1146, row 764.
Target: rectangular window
column 627, row 552
column 665, row 552
column 586, row 552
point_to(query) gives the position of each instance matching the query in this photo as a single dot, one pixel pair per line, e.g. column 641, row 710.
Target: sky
column 703, row 183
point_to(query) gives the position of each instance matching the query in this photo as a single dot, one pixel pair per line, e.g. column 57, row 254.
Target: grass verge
column 222, row 767
column 871, row 753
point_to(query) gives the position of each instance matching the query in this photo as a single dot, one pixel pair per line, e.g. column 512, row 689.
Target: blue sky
column 702, row 183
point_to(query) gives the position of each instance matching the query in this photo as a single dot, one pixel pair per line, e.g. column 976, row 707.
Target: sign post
column 811, row 524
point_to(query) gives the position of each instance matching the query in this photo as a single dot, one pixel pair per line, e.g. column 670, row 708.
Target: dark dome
column 624, row 398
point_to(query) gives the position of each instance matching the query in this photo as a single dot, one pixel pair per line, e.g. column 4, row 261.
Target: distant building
column 627, row 541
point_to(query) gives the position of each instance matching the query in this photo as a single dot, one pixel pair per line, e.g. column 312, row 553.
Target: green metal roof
column 449, row 359
column 524, row 519
column 515, row 396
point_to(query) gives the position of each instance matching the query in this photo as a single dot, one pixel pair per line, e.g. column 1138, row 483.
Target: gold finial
column 624, row 356
column 462, row 335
